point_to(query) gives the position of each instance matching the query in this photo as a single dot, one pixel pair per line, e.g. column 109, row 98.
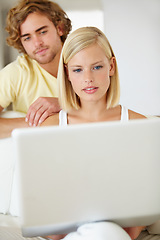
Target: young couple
column 88, row 82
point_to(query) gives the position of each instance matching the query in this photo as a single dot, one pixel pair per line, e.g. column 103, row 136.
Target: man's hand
column 41, row 109
column 134, row 231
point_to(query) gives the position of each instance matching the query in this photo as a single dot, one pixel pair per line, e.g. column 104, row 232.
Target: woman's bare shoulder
column 52, row 120
column 134, row 115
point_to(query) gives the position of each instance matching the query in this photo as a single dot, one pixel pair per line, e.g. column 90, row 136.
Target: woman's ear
column 112, row 66
column 67, row 72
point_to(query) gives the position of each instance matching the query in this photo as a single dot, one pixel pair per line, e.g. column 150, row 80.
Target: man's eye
column 97, row 67
column 43, row 32
column 27, row 39
column 77, row 70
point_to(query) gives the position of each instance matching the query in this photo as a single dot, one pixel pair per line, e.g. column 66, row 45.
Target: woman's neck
column 92, row 112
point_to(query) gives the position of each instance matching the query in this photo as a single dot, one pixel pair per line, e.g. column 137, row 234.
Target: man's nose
column 37, row 41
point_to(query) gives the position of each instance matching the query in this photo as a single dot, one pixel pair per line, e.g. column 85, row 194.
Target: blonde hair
column 76, row 41
column 17, row 15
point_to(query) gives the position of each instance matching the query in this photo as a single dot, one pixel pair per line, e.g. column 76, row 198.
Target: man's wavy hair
column 17, row 15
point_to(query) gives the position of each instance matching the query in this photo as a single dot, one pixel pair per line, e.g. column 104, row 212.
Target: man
column 37, row 28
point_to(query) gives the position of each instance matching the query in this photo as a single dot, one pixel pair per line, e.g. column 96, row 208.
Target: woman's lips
column 90, row 90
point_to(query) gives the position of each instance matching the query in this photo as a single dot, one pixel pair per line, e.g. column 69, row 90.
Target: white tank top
column 63, row 116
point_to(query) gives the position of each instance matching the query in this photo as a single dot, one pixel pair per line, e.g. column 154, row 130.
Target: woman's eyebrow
column 72, row 66
column 78, row 65
column 100, row 61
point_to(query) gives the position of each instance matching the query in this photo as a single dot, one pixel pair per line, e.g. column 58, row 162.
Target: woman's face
column 89, row 72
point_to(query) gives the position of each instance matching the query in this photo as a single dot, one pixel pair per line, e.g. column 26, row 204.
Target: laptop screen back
column 90, row 172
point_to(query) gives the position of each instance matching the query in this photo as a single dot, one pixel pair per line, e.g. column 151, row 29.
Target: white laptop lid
column 89, row 172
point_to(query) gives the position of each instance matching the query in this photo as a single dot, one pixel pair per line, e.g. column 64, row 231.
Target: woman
column 88, row 80
column 89, row 91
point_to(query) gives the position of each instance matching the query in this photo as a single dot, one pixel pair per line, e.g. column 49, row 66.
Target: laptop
column 68, row 176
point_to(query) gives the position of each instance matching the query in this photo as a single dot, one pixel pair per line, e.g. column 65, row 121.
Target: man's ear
column 112, row 66
column 60, row 29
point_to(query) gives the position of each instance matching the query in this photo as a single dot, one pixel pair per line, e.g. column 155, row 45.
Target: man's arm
column 8, row 124
column 41, row 109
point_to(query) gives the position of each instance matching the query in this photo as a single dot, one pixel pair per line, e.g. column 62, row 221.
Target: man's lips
column 41, row 51
column 90, row 90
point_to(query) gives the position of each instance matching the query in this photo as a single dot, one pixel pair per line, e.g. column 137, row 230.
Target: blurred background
column 133, row 29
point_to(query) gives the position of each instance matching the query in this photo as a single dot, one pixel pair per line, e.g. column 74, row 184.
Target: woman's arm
column 52, row 120
column 56, row 237
column 134, row 115
column 134, row 231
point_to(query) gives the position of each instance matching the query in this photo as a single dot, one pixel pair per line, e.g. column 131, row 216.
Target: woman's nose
column 88, row 76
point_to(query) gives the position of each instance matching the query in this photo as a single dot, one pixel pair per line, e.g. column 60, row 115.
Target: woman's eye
column 77, row 70
column 97, row 67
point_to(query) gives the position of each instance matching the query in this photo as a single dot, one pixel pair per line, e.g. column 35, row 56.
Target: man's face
column 40, row 38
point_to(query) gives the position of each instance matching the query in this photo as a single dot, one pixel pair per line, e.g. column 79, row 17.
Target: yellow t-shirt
column 23, row 81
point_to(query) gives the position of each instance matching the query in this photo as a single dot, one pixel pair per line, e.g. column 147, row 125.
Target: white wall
column 81, row 18
column 83, row 13
column 133, row 28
